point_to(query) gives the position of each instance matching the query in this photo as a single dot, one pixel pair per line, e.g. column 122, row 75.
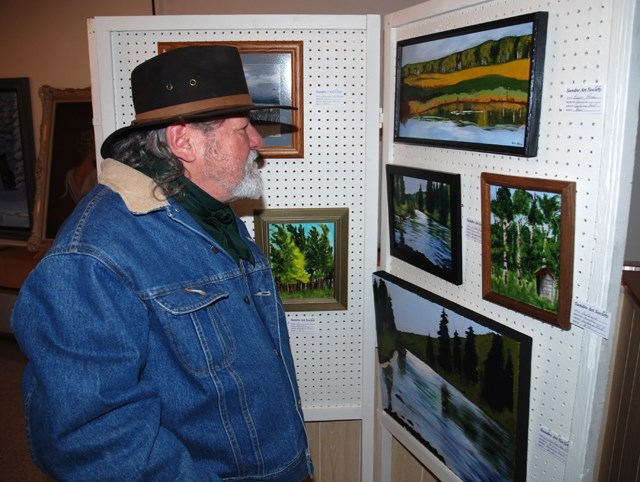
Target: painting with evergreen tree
column 476, row 87
column 424, row 220
column 456, row 381
column 527, row 245
column 307, row 249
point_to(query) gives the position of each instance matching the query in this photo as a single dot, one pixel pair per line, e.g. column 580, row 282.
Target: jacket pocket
column 197, row 332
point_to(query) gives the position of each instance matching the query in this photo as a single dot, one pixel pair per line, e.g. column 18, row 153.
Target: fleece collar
column 138, row 191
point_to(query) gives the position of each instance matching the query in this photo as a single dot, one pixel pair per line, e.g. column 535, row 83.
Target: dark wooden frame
column 339, row 219
column 458, row 103
column 415, row 257
column 17, row 151
column 423, row 388
column 291, row 133
column 563, row 260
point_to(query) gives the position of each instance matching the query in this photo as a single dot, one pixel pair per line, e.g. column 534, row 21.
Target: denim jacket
column 152, row 354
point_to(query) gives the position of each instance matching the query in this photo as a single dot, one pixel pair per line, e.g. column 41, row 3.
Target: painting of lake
column 456, row 381
column 476, row 87
column 424, row 219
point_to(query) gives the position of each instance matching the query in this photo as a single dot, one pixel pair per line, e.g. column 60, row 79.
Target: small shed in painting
column 546, row 283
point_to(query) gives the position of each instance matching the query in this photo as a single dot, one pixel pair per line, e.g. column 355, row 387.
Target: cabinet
column 15, row 265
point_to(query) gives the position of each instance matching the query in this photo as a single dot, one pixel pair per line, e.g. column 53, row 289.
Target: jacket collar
column 139, row 192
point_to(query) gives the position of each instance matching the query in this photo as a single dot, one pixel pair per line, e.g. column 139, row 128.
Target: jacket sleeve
column 89, row 413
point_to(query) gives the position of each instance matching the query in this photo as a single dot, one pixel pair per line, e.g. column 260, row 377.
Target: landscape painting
column 528, row 234
column 307, row 249
column 424, row 220
column 476, row 88
column 456, row 381
column 273, row 70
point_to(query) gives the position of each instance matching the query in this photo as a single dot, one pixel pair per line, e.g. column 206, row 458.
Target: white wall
column 589, row 42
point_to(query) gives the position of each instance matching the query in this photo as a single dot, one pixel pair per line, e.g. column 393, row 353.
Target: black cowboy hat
column 187, row 84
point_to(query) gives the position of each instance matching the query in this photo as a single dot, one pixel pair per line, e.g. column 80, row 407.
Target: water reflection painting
column 475, row 88
column 424, row 220
column 456, row 381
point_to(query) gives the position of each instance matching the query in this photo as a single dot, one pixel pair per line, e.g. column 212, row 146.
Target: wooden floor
column 15, row 463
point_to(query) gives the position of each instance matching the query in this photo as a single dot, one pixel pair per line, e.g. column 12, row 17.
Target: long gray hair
column 149, row 152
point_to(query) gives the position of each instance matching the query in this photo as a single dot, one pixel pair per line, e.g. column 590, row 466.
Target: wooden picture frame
column 66, row 165
column 454, row 381
column 17, row 159
column 476, row 88
column 274, row 71
column 425, row 220
column 527, row 245
column 308, row 251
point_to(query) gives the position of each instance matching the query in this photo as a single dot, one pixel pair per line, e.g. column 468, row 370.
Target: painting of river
column 476, row 87
column 424, row 220
column 456, row 381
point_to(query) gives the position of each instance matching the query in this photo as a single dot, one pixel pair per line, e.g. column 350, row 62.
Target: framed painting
column 527, row 245
column 66, row 164
column 475, row 88
column 424, row 220
column 17, row 157
column 273, row 70
column 307, row 249
column 455, row 381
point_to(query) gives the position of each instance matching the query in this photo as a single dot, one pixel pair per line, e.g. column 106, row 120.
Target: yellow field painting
column 517, row 69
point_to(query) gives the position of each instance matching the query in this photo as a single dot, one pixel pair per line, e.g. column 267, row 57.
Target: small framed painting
column 307, row 249
column 273, row 70
column 424, row 220
column 527, row 245
column 476, row 88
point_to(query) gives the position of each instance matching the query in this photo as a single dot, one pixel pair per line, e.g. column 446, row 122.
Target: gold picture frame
column 307, row 249
column 278, row 66
column 67, row 156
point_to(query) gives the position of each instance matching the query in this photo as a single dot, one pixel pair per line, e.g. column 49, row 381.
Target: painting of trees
column 302, row 259
column 307, row 252
column 424, row 219
column 528, row 244
column 445, row 368
column 474, row 87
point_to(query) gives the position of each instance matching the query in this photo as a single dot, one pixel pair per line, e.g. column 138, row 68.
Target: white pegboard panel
column 339, row 168
column 570, row 148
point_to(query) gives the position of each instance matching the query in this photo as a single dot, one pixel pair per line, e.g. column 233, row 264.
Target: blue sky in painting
column 415, row 314
column 307, row 228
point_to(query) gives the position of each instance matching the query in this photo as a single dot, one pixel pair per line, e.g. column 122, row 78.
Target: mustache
column 253, row 156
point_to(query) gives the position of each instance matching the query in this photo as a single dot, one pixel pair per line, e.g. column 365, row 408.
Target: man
column 156, row 340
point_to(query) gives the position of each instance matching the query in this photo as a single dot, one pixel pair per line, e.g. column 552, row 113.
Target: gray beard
column 251, row 186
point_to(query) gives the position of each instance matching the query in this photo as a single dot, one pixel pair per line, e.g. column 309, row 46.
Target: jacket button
column 246, row 300
column 214, row 250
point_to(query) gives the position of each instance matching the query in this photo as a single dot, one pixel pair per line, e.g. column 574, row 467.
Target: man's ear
column 180, row 142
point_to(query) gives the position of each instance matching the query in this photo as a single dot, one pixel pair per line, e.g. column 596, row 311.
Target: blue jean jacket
column 153, row 355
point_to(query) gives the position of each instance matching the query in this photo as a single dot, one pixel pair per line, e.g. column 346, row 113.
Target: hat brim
column 107, row 145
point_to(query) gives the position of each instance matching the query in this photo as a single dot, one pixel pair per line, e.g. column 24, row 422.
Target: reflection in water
column 422, row 233
column 471, row 444
column 436, row 128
